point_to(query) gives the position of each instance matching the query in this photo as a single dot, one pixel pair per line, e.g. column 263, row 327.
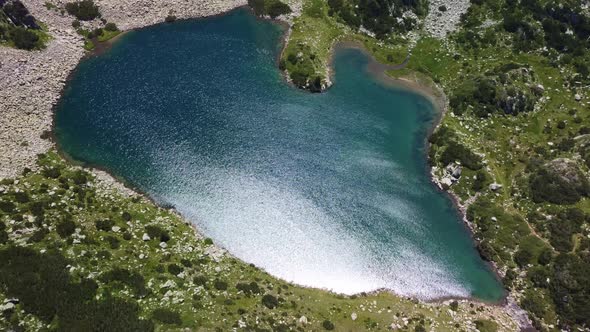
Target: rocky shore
column 32, row 81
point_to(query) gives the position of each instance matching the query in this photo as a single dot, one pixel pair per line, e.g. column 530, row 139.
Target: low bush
column 166, row 316
column 328, row 325
column 84, row 10
column 270, row 301
column 65, row 228
column 24, row 38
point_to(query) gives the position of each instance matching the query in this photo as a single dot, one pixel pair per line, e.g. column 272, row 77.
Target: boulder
column 495, row 186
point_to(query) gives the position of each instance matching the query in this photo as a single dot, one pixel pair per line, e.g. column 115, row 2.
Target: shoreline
column 376, row 68
column 436, row 96
column 53, row 144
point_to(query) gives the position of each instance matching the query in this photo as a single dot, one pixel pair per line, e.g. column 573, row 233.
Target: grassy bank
column 76, row 255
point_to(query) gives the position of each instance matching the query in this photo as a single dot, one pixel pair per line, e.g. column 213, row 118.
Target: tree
column 111, row 27
column 65, row 228
column 84, row 10
column 270, row 301
column 24, row 38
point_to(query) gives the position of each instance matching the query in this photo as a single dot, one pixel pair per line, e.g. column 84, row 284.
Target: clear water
column 327, row 190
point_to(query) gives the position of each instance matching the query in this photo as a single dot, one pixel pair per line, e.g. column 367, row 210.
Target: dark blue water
column 327, row 190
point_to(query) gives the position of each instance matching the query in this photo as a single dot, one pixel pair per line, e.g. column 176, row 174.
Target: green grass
column 107, row 35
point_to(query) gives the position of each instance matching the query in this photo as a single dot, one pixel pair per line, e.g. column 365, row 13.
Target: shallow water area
column 326, row 190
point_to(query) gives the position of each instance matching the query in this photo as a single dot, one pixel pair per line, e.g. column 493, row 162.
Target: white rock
column 353, row 316
column 163, row 245
column 303, row 320
column 145, row 237
column 495, row 186
column 169, row 284
column 116, row 228
column 7, row 306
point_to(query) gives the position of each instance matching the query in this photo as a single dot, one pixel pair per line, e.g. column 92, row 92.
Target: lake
column 327, row 190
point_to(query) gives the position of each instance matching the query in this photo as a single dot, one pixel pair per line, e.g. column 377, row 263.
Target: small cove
column 325, row 190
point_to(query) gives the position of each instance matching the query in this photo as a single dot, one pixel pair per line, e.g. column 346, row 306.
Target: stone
column 446, row 182
column 163, row 245
column 353, row 316
column 145, row 237
column 7, row 306
column 495, row 186
column 169, row 284
column 303, row 320
column 116, row 228
column 577, row 97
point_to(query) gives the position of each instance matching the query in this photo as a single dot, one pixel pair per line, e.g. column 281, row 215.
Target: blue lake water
column 327, row 190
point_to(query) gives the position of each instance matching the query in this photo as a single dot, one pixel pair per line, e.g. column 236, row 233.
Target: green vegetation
column 516, row 74
column 84, row 10
column 272, row 8
column 75, row 256
column 18, row 28
column 99, row 35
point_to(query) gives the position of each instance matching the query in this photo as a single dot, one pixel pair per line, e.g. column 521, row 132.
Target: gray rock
column 495, row 186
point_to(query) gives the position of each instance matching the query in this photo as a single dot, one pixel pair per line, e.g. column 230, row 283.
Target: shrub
column 170, row 19
column 166, row 316
column 454, row 305
column 80, row 177
column 248, row 289
column 270, row 301
column 420, row 328
column 458, row 152
column 126, row 216
column 84, row 10
column 52, row 173
column 111, row 27
column 277, row 8
column 39, row 235
column 208, row 241
column 328, row 325
column 40, row 281
column 113, row 241
column 21, row 197
column 533, row 302
column 220, row 284
column 480, row 180
column 523, row 257
column 200, row 280
column 547, row 185
column 24, row 38
column 76, row 24
column 174, row 269
column 65, row 228
column 7, row 206
column 156, row 232
column 104, row 224
column 123, row 276
column 484, row 325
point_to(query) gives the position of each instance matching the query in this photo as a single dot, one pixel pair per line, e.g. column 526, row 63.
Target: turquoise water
column 327, row 190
